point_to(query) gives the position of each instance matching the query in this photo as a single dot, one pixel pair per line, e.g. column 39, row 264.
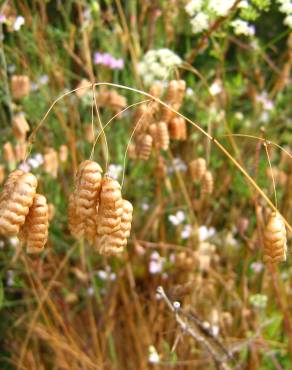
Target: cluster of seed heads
column 97, row 212
column 275, row 241
column 23, row 212
column 155, row 124
column 200, row 173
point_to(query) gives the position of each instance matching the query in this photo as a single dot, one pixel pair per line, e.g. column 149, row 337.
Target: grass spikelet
column 34, row 232
column 275, row 241
column 15, row 204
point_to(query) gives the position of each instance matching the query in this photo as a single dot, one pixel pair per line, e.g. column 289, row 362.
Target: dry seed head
column 74, row 222
column 145, row 147
column 275, row 241
column 20, row 151
column 15, row 203
column 63, row 153
column 34, row 232
column 52, row 211
column 115, row 101
column 178, row 128
column 207, row 183
column 9, row 184
column 89, row 133
column 163, row 135
column 83, row 83
column 2, row 173
column 115, row 243
column 153, row 132
column 20, row 127
column 172, row 92
column 198, row 168
column 110, row 208
column 87, row 190
column 181, row 91
column 132, row 151
column 142, row 118
column 20, row 86
column 51, row 162
column 8, row 152
column 156, row 89
column 166, row 114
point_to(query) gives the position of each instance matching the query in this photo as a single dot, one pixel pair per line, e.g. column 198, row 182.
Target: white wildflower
column 216, row 87
column 90, row 291
column 206, row 233
column 10, row 278
column 243, row 28
column 221, row 7
column 25, row 167
column 153, row 357
column 156, row 263
column 186, row 232
column 18, row 23
column 193, row 6
column 243, row 4
column 257, row 267
column 288, row 21
column 114, row 170
column 177, row 218
column 157, row 64
column 200, row 22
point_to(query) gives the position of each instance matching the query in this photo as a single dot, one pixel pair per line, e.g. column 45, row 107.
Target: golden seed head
column 20, row 86
column 163, row 135
column 275, row 240
column 198, row 168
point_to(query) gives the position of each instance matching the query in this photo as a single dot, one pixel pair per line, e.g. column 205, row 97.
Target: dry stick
column 41, row 303
column 193, row 333
column 198, row 127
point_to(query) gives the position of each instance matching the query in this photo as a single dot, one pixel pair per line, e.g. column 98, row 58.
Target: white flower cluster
column 286, row 8
column 242, row 27
column 201, row 11
column 221, row 7
column 157, row 64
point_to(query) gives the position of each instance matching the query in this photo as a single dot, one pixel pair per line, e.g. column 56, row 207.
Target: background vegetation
column 70, row 308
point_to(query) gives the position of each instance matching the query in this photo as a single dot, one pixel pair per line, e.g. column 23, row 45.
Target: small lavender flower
column 2, row 18
column 156, row 263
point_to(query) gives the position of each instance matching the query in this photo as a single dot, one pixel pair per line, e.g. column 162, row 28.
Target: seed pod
column 177, row 128
column 207, row 184
column 181, row 89
column 115, row 243
column 87, row 190
column 2, row 173
column 110, row 208
column 89, row 133
column 63, row 153
column 20, row 127
column 8, row 152
column 198, row 168
column 9, row 185
column 153, row 132
column 163, row 135
column 275, row 241
column 116, row 101
column 172, row 91
column 84, row 86
column 15, row 204
column 20, row 151
column 20, row 86
column 156, row 89
column 142, row 118
column 51, row 162
column 145, row 146
column 34, row 232
column 74, row 222
column 166, row 114
column 132, row 151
